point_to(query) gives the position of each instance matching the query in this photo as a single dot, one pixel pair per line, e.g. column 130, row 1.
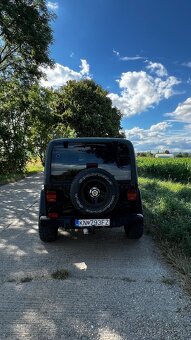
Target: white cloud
column 85, row 67
column 157, row 68
column 52, row 5
column 60, row 74
column 183, row 112
column 140, row 91
column 155, row 131
column 116, row 52
column 187, row 64
column 160, row 137
column 137, row 57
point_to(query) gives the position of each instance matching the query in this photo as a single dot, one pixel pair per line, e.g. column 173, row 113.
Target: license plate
column 92, row 223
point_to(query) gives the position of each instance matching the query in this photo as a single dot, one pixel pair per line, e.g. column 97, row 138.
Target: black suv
column 90, row 183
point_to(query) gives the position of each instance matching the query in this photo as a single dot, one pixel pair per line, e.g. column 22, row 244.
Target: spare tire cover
column 94, row 192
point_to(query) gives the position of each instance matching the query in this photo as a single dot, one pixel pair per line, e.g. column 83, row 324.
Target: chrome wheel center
column 94, row 192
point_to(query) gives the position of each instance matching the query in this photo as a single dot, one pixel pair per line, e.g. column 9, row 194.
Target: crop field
column 175, row 169
column 166, row 194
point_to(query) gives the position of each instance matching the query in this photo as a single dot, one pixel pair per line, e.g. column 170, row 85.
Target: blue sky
column 140, row 52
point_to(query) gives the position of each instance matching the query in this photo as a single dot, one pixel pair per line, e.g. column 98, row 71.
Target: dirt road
column 116, row 288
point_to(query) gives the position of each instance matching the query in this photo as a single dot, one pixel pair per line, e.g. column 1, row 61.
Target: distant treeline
column 176, row 154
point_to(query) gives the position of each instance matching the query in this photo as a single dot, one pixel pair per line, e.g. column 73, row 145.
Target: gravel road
column 116, row 288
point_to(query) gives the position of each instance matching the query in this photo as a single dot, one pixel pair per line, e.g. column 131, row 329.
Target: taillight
column 53, row 215
column 51, row 196
column 91, row 165
column 132, row 195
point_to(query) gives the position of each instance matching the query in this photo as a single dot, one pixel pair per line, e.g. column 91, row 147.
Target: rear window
column 69, row 158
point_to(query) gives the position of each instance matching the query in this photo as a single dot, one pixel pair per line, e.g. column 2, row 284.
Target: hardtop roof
column 90, row 139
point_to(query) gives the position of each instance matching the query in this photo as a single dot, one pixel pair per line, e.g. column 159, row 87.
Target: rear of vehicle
column 90, row 183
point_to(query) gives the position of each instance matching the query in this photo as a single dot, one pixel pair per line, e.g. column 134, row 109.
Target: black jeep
column 90, row 183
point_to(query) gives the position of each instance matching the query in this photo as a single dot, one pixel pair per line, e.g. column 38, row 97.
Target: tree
column 179, row 155
column 141, row 154
column 45, row 123
column 25, row 36
column 14, row 122
column 28, row 121
column 84, row 106
column 167, row 152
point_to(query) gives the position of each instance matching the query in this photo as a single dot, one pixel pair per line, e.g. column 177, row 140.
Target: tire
column 134, row 231
column 94, row 192
column 47, row 234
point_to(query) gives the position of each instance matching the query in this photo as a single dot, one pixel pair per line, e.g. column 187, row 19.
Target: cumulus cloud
column 155, row 131
column 157, row 68
column 140, row 91
column 160, row 137
column 60, row 74
column 183, row 112
column 52, row 5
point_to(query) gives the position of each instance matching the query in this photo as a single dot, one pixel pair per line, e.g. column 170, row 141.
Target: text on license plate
column 93, row 223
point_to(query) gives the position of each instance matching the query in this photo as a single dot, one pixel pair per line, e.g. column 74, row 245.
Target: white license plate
column 92, row 223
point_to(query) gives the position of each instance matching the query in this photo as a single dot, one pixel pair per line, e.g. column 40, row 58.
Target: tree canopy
column 25, row 35
column 85, row 107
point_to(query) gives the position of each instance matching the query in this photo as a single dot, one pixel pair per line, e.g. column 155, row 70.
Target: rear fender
column 136, row 206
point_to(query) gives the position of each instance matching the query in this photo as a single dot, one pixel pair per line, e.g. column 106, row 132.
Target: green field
column 166, row 194
column 176, row 169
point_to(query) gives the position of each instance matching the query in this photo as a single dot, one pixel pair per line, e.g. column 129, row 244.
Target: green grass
column 32, row 167
column 176, row 169
column 167, row 212
column 167, row 208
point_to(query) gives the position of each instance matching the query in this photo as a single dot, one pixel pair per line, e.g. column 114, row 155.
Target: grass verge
column 167, row 211
column 32, row 167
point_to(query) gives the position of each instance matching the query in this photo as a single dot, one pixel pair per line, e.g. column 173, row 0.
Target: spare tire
column 94, row 192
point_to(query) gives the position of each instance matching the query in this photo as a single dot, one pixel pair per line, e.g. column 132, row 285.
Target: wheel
column 47, row 234
column 134, row 231
column 94, row 191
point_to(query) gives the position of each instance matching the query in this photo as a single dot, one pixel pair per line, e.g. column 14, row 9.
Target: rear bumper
column 68, row 222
